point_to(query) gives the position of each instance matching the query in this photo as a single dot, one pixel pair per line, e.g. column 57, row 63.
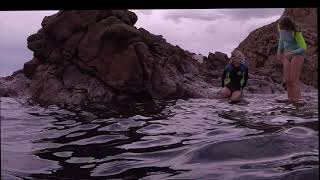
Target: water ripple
column 263, row 138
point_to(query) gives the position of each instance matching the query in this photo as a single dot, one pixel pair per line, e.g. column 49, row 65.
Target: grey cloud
column 12, row 59
column 246, row 14
column 15, row 27
column 145, row 12
column 219, row 14
column 200, row 14
column 211, row 29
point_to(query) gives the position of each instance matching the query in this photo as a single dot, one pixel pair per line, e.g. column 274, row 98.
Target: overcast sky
column 197, row 30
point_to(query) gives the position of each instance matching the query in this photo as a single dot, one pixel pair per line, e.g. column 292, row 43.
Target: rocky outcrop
column 260, row 47
column 15, row 85
column 217, row 60
column 99, row 56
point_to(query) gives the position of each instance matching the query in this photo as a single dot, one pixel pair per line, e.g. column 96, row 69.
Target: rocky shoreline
column 84, row 57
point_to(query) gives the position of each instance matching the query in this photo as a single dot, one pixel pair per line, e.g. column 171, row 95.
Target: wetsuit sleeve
column 280, row 45
column 298, row 51
column 223, row 77
column 246, row 76
column 301, row 43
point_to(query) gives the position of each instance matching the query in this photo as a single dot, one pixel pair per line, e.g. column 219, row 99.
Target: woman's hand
column 288, row 55
column 279, row 56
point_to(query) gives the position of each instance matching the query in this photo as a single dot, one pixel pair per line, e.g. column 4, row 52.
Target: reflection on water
column 193, row 139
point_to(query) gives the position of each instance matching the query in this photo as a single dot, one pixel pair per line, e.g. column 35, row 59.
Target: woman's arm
column 298, row 51
column 223, row 77
column 301, row 43
column 246, row 76
column 280, row 47
column 280, row 42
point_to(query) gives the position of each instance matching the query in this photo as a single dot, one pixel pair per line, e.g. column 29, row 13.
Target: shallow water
column 193, row 139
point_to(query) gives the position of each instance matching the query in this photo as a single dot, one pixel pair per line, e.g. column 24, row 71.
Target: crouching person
column 234, row 78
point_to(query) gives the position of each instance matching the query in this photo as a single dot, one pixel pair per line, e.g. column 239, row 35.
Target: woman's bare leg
column 286, row 75
column 295, row 72
column 236, row 96
column 225, row 93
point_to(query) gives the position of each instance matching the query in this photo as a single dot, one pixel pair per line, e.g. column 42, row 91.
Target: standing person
column 234, row 78
column 291, row 48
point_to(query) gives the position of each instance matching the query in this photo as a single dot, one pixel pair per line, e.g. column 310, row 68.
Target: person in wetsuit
column 291, row 48
column 234, row 77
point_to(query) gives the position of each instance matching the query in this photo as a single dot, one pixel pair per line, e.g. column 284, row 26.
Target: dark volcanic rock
column 30, row 66
column 15, row 85
column 99, row 56
column 218, row 60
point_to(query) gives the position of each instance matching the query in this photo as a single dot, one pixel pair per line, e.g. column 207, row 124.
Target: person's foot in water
column 298, row 103
column 234, row 101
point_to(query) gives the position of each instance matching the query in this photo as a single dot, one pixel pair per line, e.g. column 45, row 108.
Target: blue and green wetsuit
column 235, row 78
column 291, row 42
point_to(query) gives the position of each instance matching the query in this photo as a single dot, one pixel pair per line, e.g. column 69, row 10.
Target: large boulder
column 100, row 56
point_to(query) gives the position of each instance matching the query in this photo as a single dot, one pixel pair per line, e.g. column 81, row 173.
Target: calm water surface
column 193, row 139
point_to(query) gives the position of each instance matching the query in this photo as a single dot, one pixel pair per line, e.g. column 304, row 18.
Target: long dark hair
column 285, row 23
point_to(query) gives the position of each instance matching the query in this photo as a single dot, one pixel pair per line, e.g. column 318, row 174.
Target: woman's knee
column 225, row 92
column 236, row 95
column 290, row 83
